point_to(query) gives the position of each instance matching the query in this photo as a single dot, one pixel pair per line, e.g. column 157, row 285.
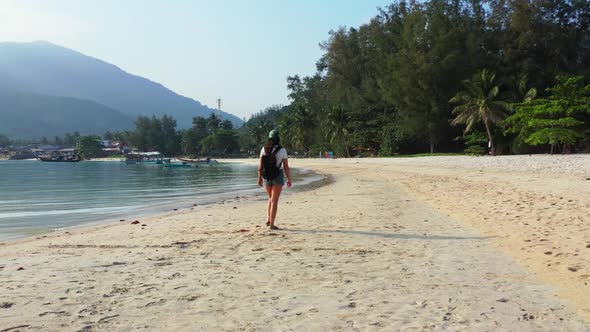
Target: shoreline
column 371, row 250
column 310, row 181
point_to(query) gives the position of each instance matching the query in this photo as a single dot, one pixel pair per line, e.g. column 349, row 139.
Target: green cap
column 273, row 133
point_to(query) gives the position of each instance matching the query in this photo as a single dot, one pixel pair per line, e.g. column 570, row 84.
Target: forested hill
column 28, row 115
column 491, row 76
column 41, row 68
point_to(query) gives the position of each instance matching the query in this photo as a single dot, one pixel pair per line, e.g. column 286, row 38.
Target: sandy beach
column 420, row 244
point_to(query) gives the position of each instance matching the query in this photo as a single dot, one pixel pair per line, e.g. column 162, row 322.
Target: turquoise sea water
column 38, row 197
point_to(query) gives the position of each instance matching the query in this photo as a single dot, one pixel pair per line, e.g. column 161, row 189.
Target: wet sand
column 386, row 244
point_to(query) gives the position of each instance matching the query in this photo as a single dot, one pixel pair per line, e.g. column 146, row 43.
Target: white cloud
column 19, row 21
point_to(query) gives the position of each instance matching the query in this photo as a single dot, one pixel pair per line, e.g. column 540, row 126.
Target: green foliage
column 350, row 85
column 88, row 147
column 190, row 143
column 255, row 131
column 119, row 136
column 156, row 134
column 384, row 87
column 213, row 123
column 227, row 125
column 224, row 141
column 209, row 136
column 297, row 126
column 435, row 44
column 475, row 150
column 518, row 88
column 476, row 143
column 392, row 140
column 560, row 118
column 207, row 144
column 476, row 138
column 337, row 128
column 316, row 149
column 553, row 135
column 170, row 137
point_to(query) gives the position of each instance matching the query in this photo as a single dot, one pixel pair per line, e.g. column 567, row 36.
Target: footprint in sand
column 189, row 298
column 420, row 304
column 56, row 313
column 159, row 302
column 6, row 305
column 574, row 268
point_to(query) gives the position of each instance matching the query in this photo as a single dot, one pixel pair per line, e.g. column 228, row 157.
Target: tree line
column 479, row 76
column 206, row 137
column 504, row 76
column 209, row 136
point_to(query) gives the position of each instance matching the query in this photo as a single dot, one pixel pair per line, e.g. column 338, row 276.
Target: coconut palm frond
column 459, row 98
column 493, row 92
column 472, row 89
column 462, row 108
column 471, row 121
column 530, row 95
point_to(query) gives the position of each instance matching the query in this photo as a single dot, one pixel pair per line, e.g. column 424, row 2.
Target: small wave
column 66, row 212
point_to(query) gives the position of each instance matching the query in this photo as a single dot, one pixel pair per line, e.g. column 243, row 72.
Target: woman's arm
column 287, row 171
column 260, row 172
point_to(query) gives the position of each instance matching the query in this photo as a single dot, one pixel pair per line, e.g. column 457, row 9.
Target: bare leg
column 268, row 207
column 275, row 194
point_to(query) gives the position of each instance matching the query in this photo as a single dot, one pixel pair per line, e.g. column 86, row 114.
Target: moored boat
column 58, row 159
column 133, row 158
column 62, row 155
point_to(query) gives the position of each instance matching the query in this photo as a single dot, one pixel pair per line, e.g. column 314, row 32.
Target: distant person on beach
column 272, row 157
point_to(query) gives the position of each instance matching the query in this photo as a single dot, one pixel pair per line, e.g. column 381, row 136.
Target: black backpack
column 270, row 171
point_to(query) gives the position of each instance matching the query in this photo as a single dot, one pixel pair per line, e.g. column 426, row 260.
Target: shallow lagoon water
column 37, row 197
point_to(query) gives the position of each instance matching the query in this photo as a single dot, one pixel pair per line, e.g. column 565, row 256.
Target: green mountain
column 41, row 68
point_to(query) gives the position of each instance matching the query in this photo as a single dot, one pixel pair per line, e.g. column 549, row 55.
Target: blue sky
column 239, row 51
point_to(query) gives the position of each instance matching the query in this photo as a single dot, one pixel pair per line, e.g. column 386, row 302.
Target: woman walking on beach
column 272, row 157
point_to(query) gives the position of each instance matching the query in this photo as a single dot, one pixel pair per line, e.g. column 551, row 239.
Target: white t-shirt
column 280, row 156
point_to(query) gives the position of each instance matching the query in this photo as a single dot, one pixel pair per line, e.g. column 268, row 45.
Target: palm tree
column 337, row 123
column 519, row 88
column 297, row 124
column 478, row 103
column 260, row 131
